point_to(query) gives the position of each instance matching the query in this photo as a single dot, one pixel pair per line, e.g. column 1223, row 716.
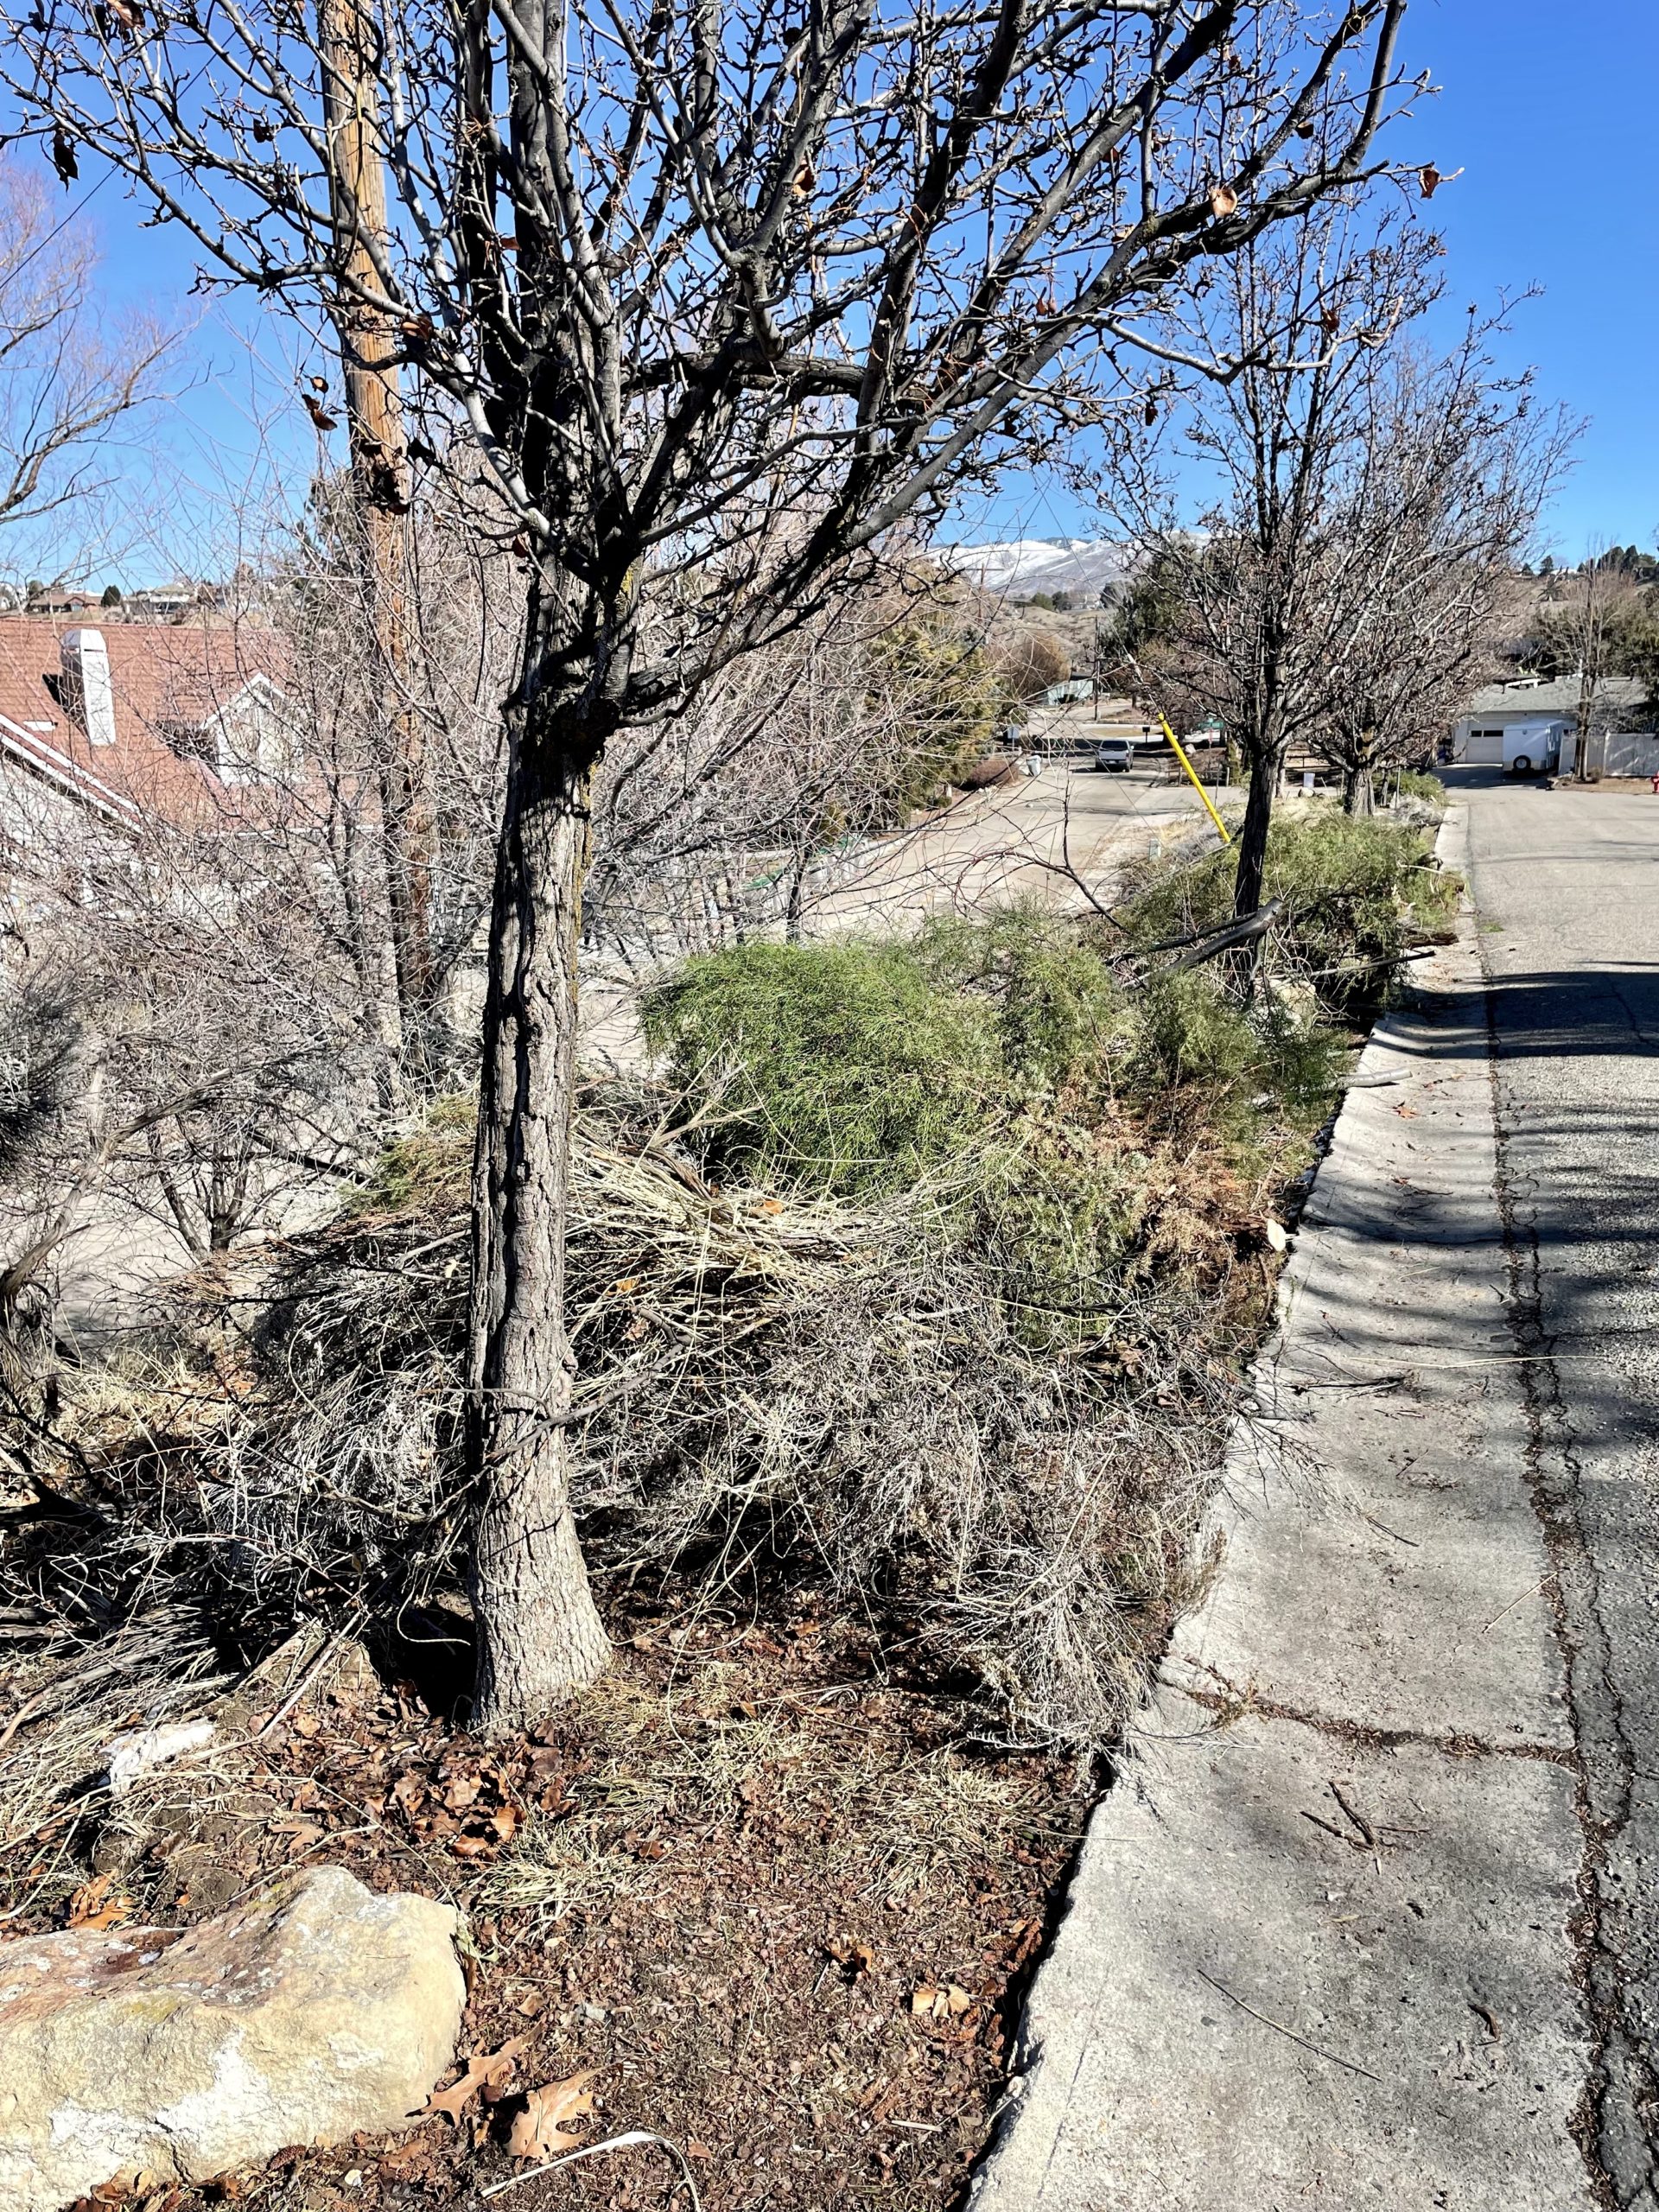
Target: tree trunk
column 381, row 498
column 796, row 903
column 1359, row 789
column 540, row 1636
column 1266, row 765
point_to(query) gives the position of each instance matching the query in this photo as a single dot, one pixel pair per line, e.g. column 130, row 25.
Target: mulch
column 766, row 1887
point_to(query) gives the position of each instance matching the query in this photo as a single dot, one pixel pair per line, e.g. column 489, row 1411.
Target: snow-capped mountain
column 1081, row 565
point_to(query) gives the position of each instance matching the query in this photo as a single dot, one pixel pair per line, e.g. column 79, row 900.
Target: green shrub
column 1060, row 1014
column 1358, row 890
column 1190, row 1031
column 841, row 1067
column 427, row 1167
column 1202, row 1053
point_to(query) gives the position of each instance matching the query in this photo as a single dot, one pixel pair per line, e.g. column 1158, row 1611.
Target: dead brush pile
column 926, row 1272
column 910, row 1300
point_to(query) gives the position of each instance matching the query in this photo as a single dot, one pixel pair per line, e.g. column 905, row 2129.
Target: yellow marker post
column 1191, row 777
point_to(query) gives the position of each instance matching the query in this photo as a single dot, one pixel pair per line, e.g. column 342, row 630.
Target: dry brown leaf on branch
column 487, row 2071
column 1429, row 178
column 539, row 2131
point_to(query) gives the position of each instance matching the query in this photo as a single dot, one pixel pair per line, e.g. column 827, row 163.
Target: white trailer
column 1522, row 748
column 1533, row 749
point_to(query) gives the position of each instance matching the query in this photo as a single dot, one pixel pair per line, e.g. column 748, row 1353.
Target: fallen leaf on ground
column 92, row 1907
column 949, row 2001
column 848, row 1951
column 1278, row 1237
column 486, row 2070
column 1406, row 1113
column 539, row 2131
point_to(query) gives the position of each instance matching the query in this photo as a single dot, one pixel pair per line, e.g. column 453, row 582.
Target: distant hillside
column 1078, row 565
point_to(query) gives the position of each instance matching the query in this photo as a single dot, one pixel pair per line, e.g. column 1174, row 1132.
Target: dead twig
column 635, row 2138
column 1335, row 2058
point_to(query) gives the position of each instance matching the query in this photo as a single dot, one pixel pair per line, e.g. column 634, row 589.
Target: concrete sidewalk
column 1321, row 1947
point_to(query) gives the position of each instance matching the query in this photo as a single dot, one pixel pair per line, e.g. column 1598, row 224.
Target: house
column 55, row 599
column 169, row 602
column 1549, row 705
column 136, row 724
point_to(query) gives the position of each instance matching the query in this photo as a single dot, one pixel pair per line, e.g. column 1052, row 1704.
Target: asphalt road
column 1566, row 885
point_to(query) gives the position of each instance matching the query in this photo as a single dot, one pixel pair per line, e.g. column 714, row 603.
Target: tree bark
column 1266, row 765
column 540, row 1636
column 379, row 487
column 1358, row 790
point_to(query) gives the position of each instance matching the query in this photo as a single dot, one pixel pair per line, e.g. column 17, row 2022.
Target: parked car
column 1115, row 755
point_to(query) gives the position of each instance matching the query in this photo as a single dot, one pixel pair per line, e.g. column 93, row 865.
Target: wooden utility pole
column 380, row 501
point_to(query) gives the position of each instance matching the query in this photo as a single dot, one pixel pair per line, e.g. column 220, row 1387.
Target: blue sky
column 1548, row 113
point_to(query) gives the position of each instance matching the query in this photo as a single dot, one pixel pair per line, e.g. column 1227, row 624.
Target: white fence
column 1614, row 753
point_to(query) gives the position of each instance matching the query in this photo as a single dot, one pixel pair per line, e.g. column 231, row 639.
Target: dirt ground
column 759, row 1882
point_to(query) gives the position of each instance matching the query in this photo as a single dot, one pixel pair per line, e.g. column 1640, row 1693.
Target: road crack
column 1616, row 2122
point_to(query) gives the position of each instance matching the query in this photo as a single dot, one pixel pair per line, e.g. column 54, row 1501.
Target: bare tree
column 1441, row 496
column 214, row 929
column 1600, row 625
column 69, row 371
column 737, row 817
column 684, row 269
column 1259, row 601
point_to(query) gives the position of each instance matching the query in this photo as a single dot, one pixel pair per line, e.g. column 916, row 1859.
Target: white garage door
column 1485, row 748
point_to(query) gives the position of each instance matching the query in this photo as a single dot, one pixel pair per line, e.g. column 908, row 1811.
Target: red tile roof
column 166, row 678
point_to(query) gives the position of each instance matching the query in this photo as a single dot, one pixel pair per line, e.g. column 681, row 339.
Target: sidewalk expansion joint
column 1618, row 2110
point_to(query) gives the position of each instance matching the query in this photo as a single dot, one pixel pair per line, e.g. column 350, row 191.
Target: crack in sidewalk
column 1233, row 1701
column 1616, row 2122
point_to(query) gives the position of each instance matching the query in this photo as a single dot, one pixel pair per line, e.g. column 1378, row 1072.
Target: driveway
column 1015, row 842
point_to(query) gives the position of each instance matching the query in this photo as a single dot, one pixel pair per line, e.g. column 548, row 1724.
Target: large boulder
column 317, row 2010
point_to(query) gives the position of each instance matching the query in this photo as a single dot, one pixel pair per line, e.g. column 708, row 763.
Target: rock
column 140, row 1750
column 317, row 2010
